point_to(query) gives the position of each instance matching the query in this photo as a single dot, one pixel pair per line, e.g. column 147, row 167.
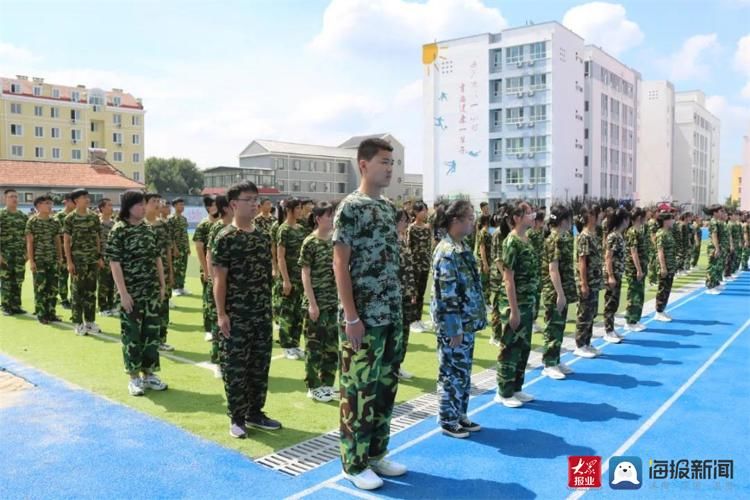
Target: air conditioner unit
column 530, row 63
column 74, row 141
column 531, row 93
column 519, row 124
column 118, row 125
column 531, row 125
column 530, row 155
column 520, row 94
column 520, row 64
column 519, row 155
column 530, row 186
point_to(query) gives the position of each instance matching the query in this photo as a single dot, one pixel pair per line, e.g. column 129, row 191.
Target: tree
column 731, row 204
column 173, row 175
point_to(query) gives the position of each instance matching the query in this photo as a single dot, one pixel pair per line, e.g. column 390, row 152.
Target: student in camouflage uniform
column 715, row 269
column 407, row 276
column 83, row 251
column 241, row 260
column 304, row 219
column 738, row 242
column 746, row 241
column 137, row 269
column 181, row 248
column 558, row 289
column 62, row 274
column 653, row 266
column 697, row 235
column 536, row 236
column 635, row 262
column 45, row 251
column 225, row 216
column 589, row 278
column 419, row 241
column 164, row 244
column 320, row 305
column 105, row 283
column 515, row 306
column 614, row 267
column 679, row 242
column 725, row 237
column 366, row 265
column 483, row 253
column 276, row 279
column 264, row 220
column 665, row 246
column 200, row 240
column 496, row 274
column 458, row 310
column 290, row 236
column 12, row 254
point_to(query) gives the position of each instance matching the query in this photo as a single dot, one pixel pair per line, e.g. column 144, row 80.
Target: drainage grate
column 313, row 453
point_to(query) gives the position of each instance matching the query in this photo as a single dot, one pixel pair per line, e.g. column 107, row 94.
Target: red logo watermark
column 584, row 472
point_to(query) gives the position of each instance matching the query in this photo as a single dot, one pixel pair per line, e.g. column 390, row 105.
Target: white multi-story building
column 656, row 148
column 504, row 116
column 695, row 182
column 611, row 126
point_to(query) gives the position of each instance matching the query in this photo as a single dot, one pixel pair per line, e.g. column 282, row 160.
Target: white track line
column 351, row 491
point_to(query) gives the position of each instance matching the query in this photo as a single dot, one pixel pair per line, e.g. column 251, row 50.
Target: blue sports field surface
column 675, row 391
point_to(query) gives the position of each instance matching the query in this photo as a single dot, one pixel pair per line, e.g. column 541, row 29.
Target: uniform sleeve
column 68, row 225
column 29, row 226
column 554, row 253
column 200, row 233
column 660, row 239
column 306, row 253
column 220, row 256
column 446, row 283
column 409, row 276
column 113, row 248
column 584, row 246
column 509, row 256
column 283, row 239
column 344, row 225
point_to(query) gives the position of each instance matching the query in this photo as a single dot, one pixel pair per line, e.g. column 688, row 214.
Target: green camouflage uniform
column 665, row 241
column 106, row 283
column 697, row 236
column 616, row 243
column 419, row 241
column 200, row 235
column 679, row 243
column 13, row 252
column 304, row 223
column 46, row 234
column 587, row 246
column 495, row 281
column 409, row 284
column 179, row 231
column 213, row 325
column 368, row 377
column 726, row 247
column 558, row 246
column 163, row 243
column 536, row 237
column 276, row 285
column 635, row 238
column 290, row 306
column 715, row 269
column 484, row 240
column 321, row 336
column 515, row 345
column 653, row 262
column 84, row 231
column 62, row 272
column 135, row 248
column 457, row 308
column 745, row 246
column 265, row 223
column 738, row 244
column 246, row 354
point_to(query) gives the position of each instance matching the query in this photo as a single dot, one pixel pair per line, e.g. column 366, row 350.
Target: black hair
column 319, row 210
column 235, row 190
column 484, row 220
column 418, row 206
column 637, row 213
column 222, row 203
column 130, row 198
column 102, row 203
column 78, row 193
column 517, row 210
column 264, row 199
column 178, row 200
column 712, row 209
column 539, row 216
column 582, row 219
column 615, row 218
column 9, row 190
column 558, row 214
column 42, row 199
column 67, row 197
column 289, row 205
column 149, row 196
column 306, row 201
column 483, row 204
column 445, row 216
column 370, row 147
column 663, row 217
column 208, row 200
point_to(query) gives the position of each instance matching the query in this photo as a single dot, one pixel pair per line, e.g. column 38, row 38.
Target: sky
column 215, row 75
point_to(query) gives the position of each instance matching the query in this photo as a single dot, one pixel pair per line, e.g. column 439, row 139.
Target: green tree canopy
column 173, row 175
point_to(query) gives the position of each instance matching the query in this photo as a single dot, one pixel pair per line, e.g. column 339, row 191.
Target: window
column 538, row 51
column 296, row 164
column 326, row 187
column 37, row 91
column 75, row 115
column 295, row 186
column 497, row 59
column 538, row 144
column 117, row 156
column 586, row 161
column 38, row 111
column 54, row 112
column 280, row 185
column 514, row 85
column 15, row 88
column 329, row 166
column 16, row 129
column 16, row 151
column 313, row 186
column 56, row 153
column 538, row 113
column 136, row 157
column 497, row 146
column 313, row 166
column 497, row 117
column 137, row 176
column 585, row 105
column 54, row 132
column 116, row 100
column 514, row 145
column 514, row 54
column 56, row 93
column 117, row 137
column 538, row 82
column 38, row 131
column 605, row 106
column 117, row 119
column 280, row 163
column 586, row 133
column 497, row 176
column 75, row 154
column 75, row 96
column 497, row 86
column 586, row 68
column 136, row 139
column 15, row 108
column 75, row 134
column 341, row 187
column 513, row 115
column 514, row 176
column 38, row 152
column 538, row 175
column 135, row 120
column 341, row 168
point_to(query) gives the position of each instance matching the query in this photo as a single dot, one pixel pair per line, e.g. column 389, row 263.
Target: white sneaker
column 639, row 327
column 176, row 293
column 208, row 336
column 582, row 352
column 630, row 327
column 612, row 338
column 333, row 392
column 81, row 330
column 417, row 327
column 300, row 353
column 154, row 383
column 217, row 371
column 93, row 328
column 105, row 314
column 291, row 353
column 319, row 394
column 565, row 369
column 365, row 480
column 660, row 316
column 713, row 291
column 510, row 402
column 553, row 372
column 404, row 375
column 523, row 397
column 388, row 468
column 494, row 341
column 535, row 328
column 135, row 387
column 114, row 313
column 166, row 347
column 593, row 350
column 171, row 305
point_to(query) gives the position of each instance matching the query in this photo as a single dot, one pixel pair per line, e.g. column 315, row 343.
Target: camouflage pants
column 45, row 289
column 538, row 303
column 587, row 310
column 515, row 347
column 553, row 332
column 680, row 256
column 454, row 377
column 485, row 279
column 636, row 294
column 662, row 294
column 12, row 272
column 745, row 257
column 245, row 359
column 83, row 292
column 729, row 263
column 164, row 315
column 737, row 259
column 368, row 389
column 653, row 268
column 106, row 289
column 140, row 336
column 696, row 255
column 611, row 303
column 207, row 296
column 290, row 317
column 411, row 313
column 63, row 282
column 180, row 268
column 213, row 322
column 276, row 298
column 421, row 278
column 322, row 349
column 715, row 270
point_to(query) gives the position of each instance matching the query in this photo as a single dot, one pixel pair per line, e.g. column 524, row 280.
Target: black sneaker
column 261, row 421
column 54, row 319
column 65, row 304
column 18, row 310
column 7, row 312
column 43, row 320
column 469, row 425
column 455, row 430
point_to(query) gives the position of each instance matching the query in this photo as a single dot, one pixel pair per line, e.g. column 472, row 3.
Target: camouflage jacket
column 46, row 233
column 12, row 229
column 317, row 254
column 179, row 225
column 84, row 232
column 407, row 272
column 559, row 247
column 616, row 243
column 291, row 238
column 587, row 245
column 135, row 248
column 636, row 238
column 264, row 223
column 518, row 256
column 419, row 241
column 665, row 240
